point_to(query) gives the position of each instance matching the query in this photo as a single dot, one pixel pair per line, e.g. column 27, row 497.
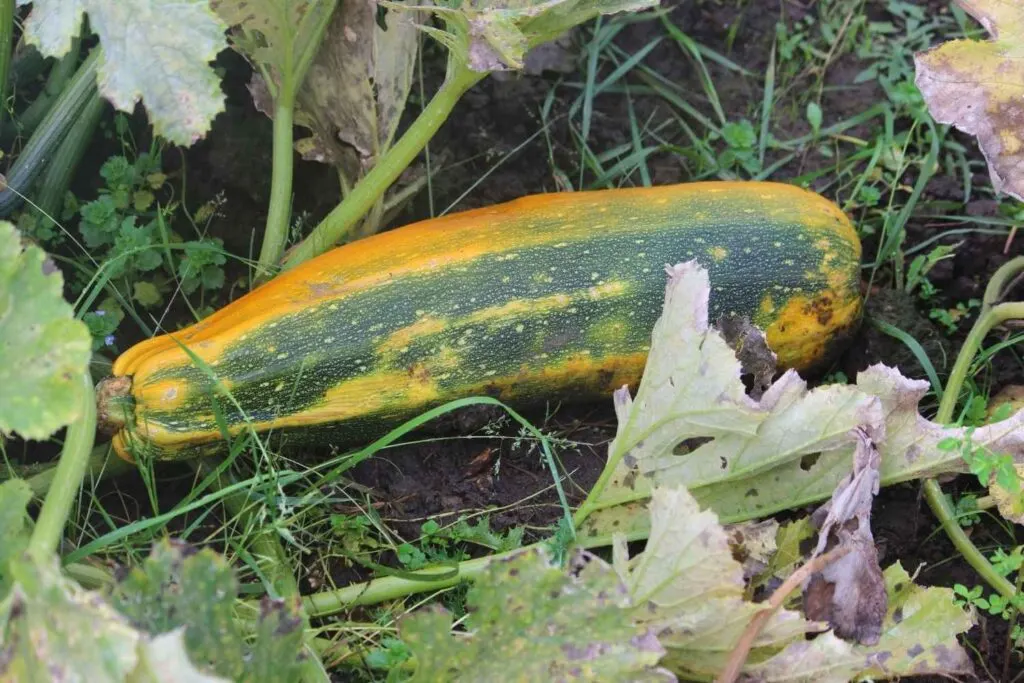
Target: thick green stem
column 280, row 209
column 74, row 460
column 26, row 123
column 101, row 464
column 298, row 58
column 394, row 587
column 992, row 314
column 81, row 89
column 56, row 181
column 386, row 588
column 339, row 222
column 6, row 45
column 272, row 560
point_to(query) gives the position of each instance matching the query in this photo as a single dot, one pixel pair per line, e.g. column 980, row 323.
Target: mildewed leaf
column 530, row 620
column 918, row 638
column 978, row 86
column 495, row 35
column 179, row 590
column 53, row 630
column 689, row 590
column 356, row 88
column 43, row 349
column 15, row 495
column 750, row 458
column 156, row 51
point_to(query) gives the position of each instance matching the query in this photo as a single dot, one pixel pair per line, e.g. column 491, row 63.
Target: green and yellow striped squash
column 549, row 297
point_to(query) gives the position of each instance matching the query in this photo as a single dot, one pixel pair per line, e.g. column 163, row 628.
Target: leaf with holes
column 747, row 458
column 178, row 588
column 530, row 620
column 978, row 86
column 918, row 638
column 689, row 590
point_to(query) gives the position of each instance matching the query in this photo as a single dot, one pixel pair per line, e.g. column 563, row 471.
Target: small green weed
column 441, row 545
column 1007, row 564
column 967, row 511
column 126, row 232
column 987, row 466
column 951, row 318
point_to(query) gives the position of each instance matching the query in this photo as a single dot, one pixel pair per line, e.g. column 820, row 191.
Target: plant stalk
column 67, row 478
column 100, row 466
column 279, row 211
column 992, row 313
column 26, row 123
column 340, row 222
column 6, row 47
column 56, row 181
column 50, row 133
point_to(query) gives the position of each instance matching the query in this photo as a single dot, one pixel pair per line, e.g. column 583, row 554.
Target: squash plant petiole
column 344, row 217
column 40, row 477
column 28, row 120
column 67, row 478
column 992, row 314
column 39, row 150
column 6, row 46
column 284, row 91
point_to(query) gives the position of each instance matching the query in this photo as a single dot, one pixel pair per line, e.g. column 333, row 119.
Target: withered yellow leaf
column 978, row 86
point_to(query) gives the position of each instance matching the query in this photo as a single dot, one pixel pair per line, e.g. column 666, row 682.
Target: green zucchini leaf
column 274, row 33
column 43, row 349
column 977, row 85
column 15, row 495
column 495, row 35
column 530, row 620
column 156, row 51
column 687, row 588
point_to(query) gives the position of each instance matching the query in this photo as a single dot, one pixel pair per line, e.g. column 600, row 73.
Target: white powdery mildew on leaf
column 749, row 458
column 689, row 589
column 495, row 36
column 156, row 51
column 918, row 638
column 692, row 389
column 909, row 443
column 529, row 619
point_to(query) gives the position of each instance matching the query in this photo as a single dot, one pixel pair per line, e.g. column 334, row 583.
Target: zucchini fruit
column 549, row 297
